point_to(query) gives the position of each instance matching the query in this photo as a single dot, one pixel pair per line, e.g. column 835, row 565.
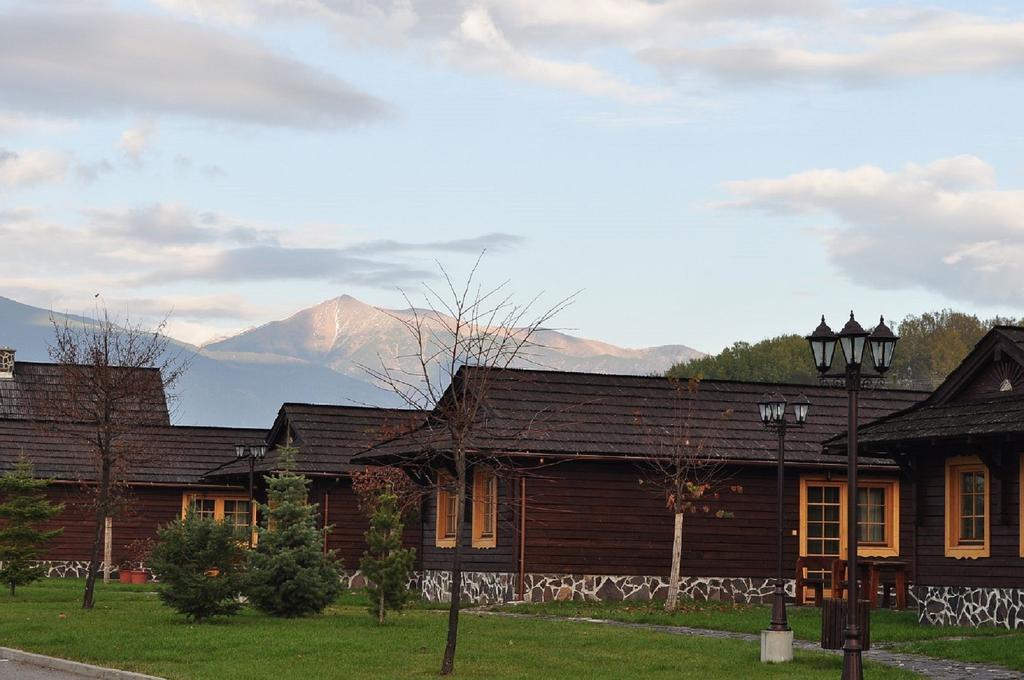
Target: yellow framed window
column 823, row 527
column 447, row 511
column 878, row 518
column 221, row 507
column 485, row 508
column 967, row 508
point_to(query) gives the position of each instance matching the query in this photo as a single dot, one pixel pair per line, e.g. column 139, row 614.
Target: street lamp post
column 772, row 409
column 852, row 339
column 252, row 453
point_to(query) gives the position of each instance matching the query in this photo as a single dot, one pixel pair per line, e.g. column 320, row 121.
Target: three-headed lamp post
column 252, row 453
column 853, row 340
column 777, row 643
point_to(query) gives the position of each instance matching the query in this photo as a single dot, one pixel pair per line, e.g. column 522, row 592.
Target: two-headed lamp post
column 252, row 453
column 772, row 409
column 852, row 339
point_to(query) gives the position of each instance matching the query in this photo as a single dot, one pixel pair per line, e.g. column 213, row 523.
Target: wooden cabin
column 562, row 503
column 961, row 452
column 326, row 438
column 177, row 468
column 38, row 421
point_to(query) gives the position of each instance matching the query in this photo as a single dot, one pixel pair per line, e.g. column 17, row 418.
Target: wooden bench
column 814, row 581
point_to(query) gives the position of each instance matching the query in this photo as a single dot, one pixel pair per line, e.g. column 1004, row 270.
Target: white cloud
column 136, row 140
column 945, row 44
column 944, row 226
column 89, row 62
column 134, row 252
column 480, row 44
column 29, row 168
column 559, row 44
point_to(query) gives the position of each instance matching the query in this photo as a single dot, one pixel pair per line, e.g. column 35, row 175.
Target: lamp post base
column 853, row 665
column 776, row 646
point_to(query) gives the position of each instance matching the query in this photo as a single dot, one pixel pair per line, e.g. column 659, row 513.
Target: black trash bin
column 833, row 624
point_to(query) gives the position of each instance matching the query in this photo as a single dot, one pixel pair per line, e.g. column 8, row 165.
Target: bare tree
column 685, row 463
column 113, row 385
column 465, row 325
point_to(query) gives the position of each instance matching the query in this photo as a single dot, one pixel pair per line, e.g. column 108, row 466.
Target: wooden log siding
column 347, row 538
column 148, row 509
column 596, row 518
column 1004, row 568
column 501, row 558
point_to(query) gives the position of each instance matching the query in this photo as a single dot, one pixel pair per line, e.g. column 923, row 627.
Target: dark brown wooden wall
column 500, row 558
column 147, row 510
column 1004, row 568
column 347, row 538
column 597, row 518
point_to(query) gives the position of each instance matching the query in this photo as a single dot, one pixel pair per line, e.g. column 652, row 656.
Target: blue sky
column 702, row 171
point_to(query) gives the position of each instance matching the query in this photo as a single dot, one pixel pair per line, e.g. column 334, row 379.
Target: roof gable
column 994, row 368
column 327, row 436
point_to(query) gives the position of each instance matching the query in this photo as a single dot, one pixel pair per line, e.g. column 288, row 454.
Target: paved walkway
column 15, row 670
column 929, row 667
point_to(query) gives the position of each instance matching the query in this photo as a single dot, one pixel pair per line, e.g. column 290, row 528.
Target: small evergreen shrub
column 386, row 564
column 24, row 505
column 199, row 564
column 289, row 573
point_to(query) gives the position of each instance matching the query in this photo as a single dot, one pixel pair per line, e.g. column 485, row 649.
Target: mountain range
column 317, row 355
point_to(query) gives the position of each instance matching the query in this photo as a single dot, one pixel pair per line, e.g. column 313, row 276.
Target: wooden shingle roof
column 983, row 396
column 565, row 414
column 162, row 454
column 38, row 391
column 328, row 436
column 997, row 416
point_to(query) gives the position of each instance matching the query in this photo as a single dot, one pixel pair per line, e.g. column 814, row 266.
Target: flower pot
column 139, row 577
column 124, row 575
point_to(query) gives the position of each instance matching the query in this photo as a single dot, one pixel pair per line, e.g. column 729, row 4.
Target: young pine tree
column 24, row 505
column 199, row 563
column 289, row 573
column 385, row 563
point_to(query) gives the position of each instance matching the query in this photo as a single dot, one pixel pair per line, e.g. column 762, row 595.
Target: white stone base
column 776, row 646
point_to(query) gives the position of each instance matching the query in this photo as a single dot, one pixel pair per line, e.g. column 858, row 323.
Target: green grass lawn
column 130, row 629
column 888, row 627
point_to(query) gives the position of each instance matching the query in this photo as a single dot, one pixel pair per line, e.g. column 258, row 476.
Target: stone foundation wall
column 67, row 568
column 547, row 587
column 478, row 587
column 965, row 606
column 492, row 587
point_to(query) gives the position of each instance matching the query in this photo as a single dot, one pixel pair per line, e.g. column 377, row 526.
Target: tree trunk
column 380, row 605
column 677, row 558
column 12, row 588
column 448, row 663
column 108, row 546
column 97, row 539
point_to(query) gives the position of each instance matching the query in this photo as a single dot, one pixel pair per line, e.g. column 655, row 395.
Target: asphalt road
column 15, row 670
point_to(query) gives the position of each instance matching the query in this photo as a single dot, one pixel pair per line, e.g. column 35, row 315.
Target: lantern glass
column 764, row 410
column 852, row 339
column 883, row 346
column 260, row 451
column 239, row 451
column 778, row 408
column 823, row 346
column 800, row 408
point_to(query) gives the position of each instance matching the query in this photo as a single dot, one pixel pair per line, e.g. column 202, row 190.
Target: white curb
column 78, row 668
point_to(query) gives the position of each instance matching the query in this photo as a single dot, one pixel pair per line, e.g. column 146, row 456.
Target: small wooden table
column 869, row 575
column 899, row 569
